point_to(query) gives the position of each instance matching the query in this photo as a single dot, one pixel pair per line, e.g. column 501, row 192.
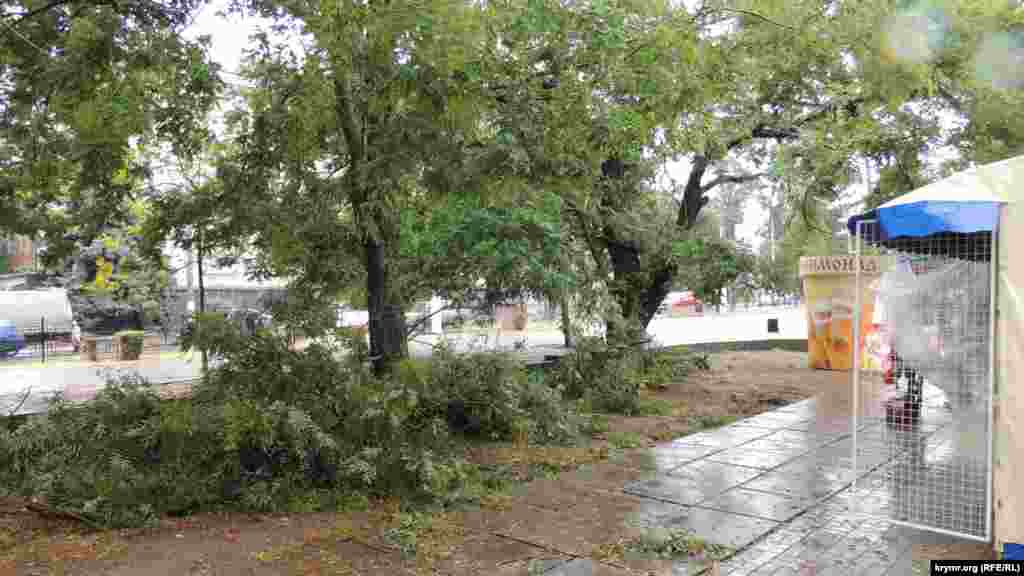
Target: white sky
column 229, row 36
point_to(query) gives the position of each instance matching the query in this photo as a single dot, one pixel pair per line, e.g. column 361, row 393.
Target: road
column 78, row 381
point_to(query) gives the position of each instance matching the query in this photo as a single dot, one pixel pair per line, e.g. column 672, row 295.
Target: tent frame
column 860, row 226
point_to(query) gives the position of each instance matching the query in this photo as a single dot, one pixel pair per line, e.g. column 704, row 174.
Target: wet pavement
column 776, row 488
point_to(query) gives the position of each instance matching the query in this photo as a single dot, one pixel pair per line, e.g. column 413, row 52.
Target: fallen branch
column 20, row 403
column 57, row 513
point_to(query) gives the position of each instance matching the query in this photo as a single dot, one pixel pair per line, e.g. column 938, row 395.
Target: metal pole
column 42, row 336
column 857, row 318
column 771, row 228
column 992, row 312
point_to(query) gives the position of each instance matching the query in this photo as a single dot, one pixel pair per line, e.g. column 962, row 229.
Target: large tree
column 83, row 86
column 370, row 157
column 397, row 107
column 814, row 84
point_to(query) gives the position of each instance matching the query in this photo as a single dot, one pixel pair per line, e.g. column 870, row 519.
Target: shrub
column 262, row 368
column 128, row 457
column 130, row 343
column 489, row 395
column 275, row 429
column 606, row 378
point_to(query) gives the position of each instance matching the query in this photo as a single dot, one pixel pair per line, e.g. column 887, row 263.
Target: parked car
column 678, row 300
column 10, row 341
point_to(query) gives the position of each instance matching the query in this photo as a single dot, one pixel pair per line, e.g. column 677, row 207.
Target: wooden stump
column 89, row 351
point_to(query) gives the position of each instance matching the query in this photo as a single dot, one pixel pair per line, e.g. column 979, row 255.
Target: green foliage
column 655, row 407
column 121, row 266
column 606, row 378
column 98, row 84
column 275, row 429
column 131, row 342
column 707, row 265
column 626, row 440
column 674, row 544
column 101, row 463
column 490, row 396
column 514, row 248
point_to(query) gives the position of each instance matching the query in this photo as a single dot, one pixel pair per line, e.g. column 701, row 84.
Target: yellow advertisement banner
column 830, row 295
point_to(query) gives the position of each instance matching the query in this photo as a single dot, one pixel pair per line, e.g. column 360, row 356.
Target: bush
column 130, row 343
column 274, row 429
column 606, row 378
column 661, row 367
column 128, row 457
column 489, row 395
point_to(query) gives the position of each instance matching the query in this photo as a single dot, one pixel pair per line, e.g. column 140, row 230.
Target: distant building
column 17, row 253
column 225, row 287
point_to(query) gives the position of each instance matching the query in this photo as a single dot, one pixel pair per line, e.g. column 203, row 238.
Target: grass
column 626, row 440
column 676, row 544
column 656, row 407
column 712, row 421
column 663, row 545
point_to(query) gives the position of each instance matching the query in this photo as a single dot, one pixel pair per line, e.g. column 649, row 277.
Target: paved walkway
column 775, row 487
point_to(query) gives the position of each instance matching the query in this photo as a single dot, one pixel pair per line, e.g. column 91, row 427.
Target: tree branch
column 693, row 194
column 730, row 179
column 26, row 15
column 24, row 38
column 18, row 405
column 791, row 132
column 422, row 320
column 758, row 16
column 346, row 116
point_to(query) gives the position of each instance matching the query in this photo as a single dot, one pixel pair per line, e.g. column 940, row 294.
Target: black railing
column 46, row 339
column 39, row 340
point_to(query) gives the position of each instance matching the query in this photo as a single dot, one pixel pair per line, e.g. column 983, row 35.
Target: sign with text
column 841, row 265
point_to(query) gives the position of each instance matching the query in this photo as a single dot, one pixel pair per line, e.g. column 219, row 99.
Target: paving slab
column 605, row 519
column 585, row 567
column 661, row 458
column 758, row 455
column 759, row 504
column 673, row 489
column 492, row 554
column 715, row 475
column 796, row 483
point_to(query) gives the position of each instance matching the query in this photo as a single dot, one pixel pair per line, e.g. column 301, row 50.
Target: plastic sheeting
column 938, row 318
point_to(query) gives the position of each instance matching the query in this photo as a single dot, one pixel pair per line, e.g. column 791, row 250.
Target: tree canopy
column 426, row 146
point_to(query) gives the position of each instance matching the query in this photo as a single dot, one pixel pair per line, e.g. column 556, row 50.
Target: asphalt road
column 82, row 381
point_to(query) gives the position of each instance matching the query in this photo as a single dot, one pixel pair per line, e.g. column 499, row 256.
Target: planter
column 129, row 344
column 88, row 349
column 519, row 321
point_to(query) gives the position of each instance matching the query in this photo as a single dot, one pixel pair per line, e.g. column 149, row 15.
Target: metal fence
column 48, row 340
column 922, row 446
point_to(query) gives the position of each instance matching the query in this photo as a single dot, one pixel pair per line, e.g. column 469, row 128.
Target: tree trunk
column 566, row 321
column 639, row 293
column 387, row 318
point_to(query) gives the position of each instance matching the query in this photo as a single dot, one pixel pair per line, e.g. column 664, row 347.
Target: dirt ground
column 354, row 542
